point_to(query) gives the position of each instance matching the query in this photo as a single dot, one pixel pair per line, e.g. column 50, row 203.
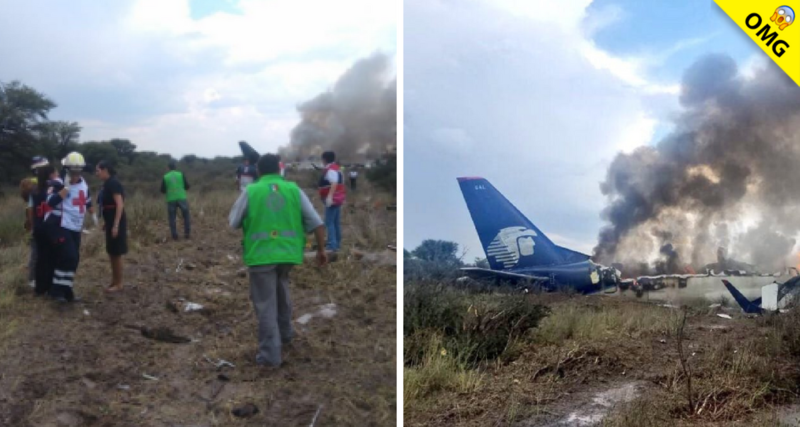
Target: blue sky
column 188, row 76
column 538, row 97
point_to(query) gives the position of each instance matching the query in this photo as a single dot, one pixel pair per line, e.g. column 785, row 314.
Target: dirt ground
column 89, row 364
column 585, row 382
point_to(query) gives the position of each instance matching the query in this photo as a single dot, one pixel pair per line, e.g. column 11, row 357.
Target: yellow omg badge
column 772, row 27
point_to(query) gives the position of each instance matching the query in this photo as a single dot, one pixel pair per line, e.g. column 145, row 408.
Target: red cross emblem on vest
column 80, row 201
column 42, row 209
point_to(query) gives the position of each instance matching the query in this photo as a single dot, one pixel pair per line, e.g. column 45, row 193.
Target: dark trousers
column 352, row 183
column 45, row 261
column 32, row 260
column 172, row 210
column 68, row 256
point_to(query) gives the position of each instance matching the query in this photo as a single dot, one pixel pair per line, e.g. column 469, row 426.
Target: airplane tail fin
column 509, row 239
column 747, row 305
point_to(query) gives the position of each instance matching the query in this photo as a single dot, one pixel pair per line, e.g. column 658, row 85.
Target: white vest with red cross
column 73, row 207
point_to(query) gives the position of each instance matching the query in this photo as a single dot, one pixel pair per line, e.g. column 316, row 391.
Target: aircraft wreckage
column 518, row 252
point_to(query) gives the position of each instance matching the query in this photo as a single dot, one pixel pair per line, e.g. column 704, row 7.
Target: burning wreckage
column 518, row 252
column 718, row 179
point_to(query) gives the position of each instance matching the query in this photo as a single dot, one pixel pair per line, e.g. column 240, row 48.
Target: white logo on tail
column 510, row 244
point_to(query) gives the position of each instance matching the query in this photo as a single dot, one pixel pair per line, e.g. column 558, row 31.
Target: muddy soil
column 88, row 363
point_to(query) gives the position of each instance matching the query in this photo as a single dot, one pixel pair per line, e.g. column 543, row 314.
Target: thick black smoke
column 733, row 156
column 357, row 119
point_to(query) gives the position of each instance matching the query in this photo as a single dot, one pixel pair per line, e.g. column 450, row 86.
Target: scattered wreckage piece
column 181, row 305
column 773, row 297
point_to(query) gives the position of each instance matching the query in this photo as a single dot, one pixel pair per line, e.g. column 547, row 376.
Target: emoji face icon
column 783, row 16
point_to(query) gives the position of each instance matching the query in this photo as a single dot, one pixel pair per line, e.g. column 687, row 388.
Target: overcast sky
column 188, row 76
column 537, row 97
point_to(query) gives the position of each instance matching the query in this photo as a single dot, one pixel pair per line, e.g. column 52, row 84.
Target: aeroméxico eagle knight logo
column 510, row 244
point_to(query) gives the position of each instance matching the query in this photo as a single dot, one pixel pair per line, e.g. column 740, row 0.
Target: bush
column 474, row 328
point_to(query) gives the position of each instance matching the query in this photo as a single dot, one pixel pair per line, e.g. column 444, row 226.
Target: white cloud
column 640, row 132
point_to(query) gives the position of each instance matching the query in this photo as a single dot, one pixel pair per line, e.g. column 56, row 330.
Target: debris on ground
column 181, row 305
column 163, row 334
column 724, row 316
column 327, row 311
column 245, row 411
column 219, row 363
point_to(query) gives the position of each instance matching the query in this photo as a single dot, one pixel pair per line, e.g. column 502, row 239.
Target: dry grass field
column 89, row 363
column 594, row 361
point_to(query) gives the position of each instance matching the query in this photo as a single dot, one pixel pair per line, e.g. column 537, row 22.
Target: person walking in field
column 112, row 208
column 275, row 216
column 175, row 185
column 353, row 178
column 332, row 190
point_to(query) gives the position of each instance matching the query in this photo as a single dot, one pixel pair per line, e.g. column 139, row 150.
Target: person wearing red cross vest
column 45, row 254
column 332, row 190
column 69, row 205
column 275, row 216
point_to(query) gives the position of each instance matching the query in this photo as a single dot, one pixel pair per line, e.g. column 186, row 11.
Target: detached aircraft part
column 771, row 296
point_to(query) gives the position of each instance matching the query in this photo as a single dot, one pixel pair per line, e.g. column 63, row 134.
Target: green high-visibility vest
column 176, row 190
column 273, row 226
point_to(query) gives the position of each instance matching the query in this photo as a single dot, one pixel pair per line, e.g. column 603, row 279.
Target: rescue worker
column 245, row 174
column 111, row 202
column 175, row 185
column 45, row 257
column 28, row 187
column 275, row 216
column 353, row 177
column 332, row 190
column 69, row 205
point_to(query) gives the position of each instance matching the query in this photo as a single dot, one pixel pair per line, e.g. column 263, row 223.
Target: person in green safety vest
column 175, row 185
column 275, row 216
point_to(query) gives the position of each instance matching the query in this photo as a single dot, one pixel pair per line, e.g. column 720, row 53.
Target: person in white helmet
column 69, row 205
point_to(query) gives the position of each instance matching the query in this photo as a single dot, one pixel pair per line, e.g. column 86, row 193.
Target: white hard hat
column 74, row 160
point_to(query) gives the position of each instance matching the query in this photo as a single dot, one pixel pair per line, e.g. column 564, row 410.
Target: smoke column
column 357, row 118
column 724, row 177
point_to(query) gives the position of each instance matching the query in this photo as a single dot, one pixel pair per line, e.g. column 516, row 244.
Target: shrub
column 474, row 328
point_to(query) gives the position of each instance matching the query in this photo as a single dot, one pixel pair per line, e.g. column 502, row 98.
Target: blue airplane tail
column 510, row 240
column 752, row 307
